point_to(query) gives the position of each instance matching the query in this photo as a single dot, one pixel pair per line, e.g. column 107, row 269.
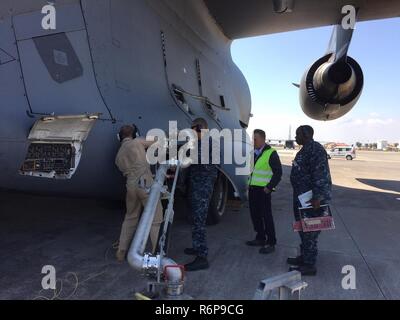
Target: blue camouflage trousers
column 309, row 240
column 201, row 188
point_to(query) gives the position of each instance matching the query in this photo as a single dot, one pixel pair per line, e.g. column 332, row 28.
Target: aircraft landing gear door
column 56, row 144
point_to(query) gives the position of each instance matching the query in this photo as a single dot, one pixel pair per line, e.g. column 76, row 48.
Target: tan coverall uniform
column 131, row 161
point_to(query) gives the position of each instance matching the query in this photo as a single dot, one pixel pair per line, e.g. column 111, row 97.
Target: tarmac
column 76, row 237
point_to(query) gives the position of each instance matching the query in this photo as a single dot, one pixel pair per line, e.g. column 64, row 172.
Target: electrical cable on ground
column 57, row 292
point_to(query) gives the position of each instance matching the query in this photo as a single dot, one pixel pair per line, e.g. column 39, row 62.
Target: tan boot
column 120, row 255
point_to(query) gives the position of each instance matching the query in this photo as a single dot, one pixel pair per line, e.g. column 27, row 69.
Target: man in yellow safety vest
column 265, row 177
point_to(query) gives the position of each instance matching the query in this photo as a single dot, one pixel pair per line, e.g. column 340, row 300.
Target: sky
column 271, row 63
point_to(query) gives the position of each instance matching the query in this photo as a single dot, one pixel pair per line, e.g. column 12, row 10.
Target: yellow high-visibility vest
column 262, row 172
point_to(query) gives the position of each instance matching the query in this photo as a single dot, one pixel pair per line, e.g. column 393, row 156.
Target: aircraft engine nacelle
column 330, row 90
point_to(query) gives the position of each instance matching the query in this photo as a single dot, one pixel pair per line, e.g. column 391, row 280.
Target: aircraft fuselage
column 119, row 58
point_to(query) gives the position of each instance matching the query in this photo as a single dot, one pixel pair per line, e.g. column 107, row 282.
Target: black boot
column 199, row 263
column 256, row 243
column 298, row 261
column 190, row 252
column 305, row 269
column 267, row 249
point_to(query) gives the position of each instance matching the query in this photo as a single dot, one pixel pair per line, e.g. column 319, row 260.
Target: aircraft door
column 56, row 65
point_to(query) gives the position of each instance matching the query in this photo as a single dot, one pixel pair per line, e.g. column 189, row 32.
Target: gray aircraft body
column 112, row 62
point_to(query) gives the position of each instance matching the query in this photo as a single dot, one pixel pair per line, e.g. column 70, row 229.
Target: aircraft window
column 59, row 56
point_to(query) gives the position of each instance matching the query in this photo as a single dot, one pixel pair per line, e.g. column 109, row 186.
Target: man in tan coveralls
column 131, row 161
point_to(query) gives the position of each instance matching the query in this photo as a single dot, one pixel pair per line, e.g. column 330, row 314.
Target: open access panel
column 56, row 144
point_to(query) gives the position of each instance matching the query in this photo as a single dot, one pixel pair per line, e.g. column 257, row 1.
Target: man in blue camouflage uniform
column 202, row 178
column 310, row 171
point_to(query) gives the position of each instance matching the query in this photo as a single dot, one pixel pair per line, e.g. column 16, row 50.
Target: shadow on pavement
column 388, row 185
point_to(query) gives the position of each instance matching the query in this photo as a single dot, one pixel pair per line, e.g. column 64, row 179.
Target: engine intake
column 330, row 90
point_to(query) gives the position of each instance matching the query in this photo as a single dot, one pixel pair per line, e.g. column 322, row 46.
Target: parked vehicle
column 348, row 153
